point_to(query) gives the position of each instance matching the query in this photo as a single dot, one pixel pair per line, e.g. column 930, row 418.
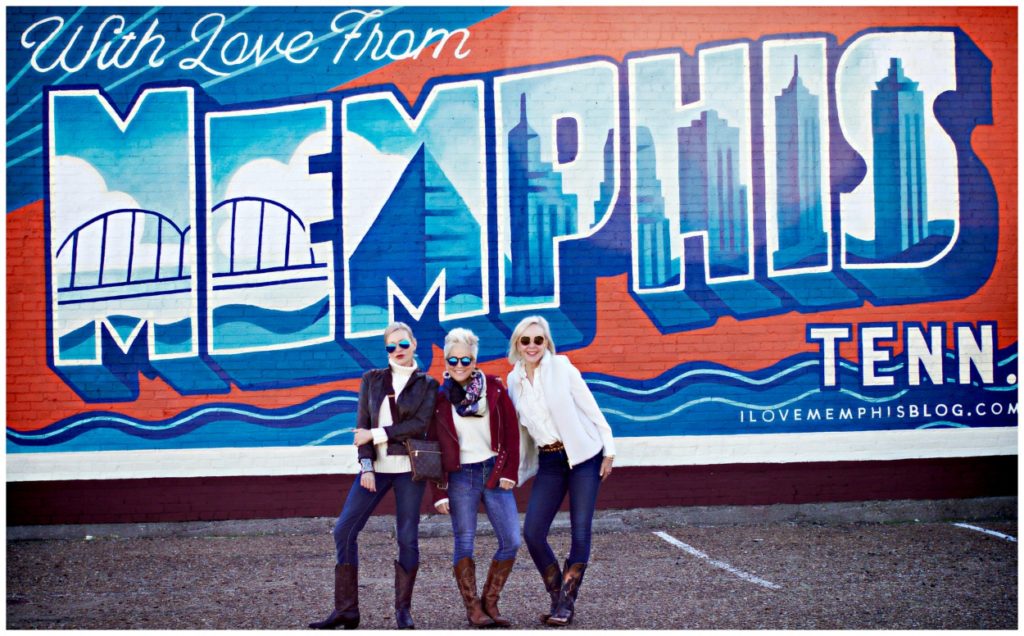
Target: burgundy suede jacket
column 504, row 435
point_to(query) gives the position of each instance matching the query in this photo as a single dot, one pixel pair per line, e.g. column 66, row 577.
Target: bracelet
column 366, row 465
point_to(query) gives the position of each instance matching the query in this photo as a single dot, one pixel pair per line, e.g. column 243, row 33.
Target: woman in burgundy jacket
column 476, row 425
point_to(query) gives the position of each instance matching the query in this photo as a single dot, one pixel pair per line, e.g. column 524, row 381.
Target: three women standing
column 476, row 425
column 395, row 404
column 560, row 435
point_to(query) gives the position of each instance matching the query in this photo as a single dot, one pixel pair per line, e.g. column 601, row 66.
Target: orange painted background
column 625, row 339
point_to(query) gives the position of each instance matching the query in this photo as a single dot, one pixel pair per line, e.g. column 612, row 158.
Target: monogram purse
column 424, row 454
column 425, row 458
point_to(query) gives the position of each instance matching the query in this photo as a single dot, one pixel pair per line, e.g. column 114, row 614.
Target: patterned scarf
column 466, row 399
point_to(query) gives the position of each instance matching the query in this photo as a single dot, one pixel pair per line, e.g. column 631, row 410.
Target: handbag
column 425, row 458
column 424, row 454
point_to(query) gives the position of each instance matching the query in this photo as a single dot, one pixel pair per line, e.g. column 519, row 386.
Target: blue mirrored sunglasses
column 466, row 361
column 405, row 344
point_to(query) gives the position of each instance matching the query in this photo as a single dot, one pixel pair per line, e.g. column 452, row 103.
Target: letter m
column 121, row 205
column 414, row 211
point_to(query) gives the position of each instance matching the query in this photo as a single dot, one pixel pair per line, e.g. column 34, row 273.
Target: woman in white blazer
column 568, row 443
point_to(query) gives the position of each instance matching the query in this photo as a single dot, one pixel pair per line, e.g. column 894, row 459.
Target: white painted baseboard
column 632, row 451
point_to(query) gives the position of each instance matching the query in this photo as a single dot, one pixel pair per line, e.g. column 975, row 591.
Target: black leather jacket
column 415, row 408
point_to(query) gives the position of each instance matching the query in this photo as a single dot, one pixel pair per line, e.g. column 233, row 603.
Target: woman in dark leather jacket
column 382, row 426
column 478, row 430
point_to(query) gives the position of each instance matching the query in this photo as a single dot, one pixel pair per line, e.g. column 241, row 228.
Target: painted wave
column 242, row 324
column 691, row 399
column 328, row 418
column 708, row 399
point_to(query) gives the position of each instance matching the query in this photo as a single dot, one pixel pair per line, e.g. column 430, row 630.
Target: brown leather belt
column 552, row 448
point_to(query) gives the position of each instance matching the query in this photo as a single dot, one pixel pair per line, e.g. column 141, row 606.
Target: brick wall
column 688, row 336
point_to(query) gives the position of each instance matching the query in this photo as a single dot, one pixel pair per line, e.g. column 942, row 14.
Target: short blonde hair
column 524, row 324
column 461, row 336
column 399, row 326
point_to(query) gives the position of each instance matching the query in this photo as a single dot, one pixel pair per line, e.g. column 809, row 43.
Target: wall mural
column 214, row 213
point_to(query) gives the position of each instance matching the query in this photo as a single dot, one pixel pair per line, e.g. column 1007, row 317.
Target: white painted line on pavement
column 718, row 564
column 991, row 532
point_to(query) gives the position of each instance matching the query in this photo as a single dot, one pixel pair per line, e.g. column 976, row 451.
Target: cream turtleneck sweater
column 390, row 463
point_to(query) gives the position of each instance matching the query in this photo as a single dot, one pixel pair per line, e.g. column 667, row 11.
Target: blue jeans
column 466, row 487
column 555, row 479
column 360, row 505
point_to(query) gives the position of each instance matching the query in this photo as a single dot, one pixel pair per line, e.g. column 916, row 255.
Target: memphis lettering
column 268, row 245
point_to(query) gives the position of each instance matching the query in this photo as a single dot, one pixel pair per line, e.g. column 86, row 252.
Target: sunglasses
column 465, row 361
column 405, row 344
column 537, row 340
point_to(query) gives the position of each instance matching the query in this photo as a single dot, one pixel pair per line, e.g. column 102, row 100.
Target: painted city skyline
column 712, row 200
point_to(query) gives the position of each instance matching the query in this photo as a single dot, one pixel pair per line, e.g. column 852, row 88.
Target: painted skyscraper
column 539, row 211
column 901, row 194
column 711, row 197
column 802, row 240
column 656, row 266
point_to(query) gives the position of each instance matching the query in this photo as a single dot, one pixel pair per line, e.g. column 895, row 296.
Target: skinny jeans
column 467, row 487
column 361, row 503
column 554, row 480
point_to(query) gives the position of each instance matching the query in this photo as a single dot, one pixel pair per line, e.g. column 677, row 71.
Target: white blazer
column 579, row 421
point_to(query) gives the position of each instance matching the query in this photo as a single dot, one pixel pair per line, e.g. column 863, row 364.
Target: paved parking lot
column 648, row 571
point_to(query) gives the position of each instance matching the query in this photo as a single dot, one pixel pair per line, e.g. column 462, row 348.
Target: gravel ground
column 830, row 576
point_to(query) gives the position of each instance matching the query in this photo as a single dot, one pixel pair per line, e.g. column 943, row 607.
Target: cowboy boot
column 572, row 577
column 553, row 584
column 346, row 599
column 465, row 577
column 404, row 582
column 496, row 578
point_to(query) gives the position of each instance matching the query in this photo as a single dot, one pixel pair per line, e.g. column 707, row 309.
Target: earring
column 446, row 375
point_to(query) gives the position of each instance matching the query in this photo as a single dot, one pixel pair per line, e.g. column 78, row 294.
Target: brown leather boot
column 465, row 577
column 346, row 599
column 496, row 578
column 553, row 584
column 564, row 611
column 404, row 582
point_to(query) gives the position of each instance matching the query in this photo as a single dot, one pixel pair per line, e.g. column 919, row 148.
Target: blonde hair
column 399, row 326
column 524, row 324
column 461, row 336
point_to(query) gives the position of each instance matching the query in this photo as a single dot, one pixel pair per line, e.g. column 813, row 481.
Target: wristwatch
column 366, row 465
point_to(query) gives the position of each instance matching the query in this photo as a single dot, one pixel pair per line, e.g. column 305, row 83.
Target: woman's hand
column 368, row 481
column 362, row 436
column 506, row 484
column 443, row 507
column 606, row 467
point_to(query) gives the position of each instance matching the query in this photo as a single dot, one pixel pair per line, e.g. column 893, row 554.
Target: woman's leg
column 500, row 506
column 465, row 489
column 584, row 481
column 408, row 498
column 501, row 511
column 464, row 494
column 359, row 505
column 549, row 489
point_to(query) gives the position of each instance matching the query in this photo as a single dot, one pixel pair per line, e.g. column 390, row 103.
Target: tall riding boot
column 496, row 578
column 553, row 584
column 346, row 599
column 465, row 577
column 404, row 582
column 572, row 577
